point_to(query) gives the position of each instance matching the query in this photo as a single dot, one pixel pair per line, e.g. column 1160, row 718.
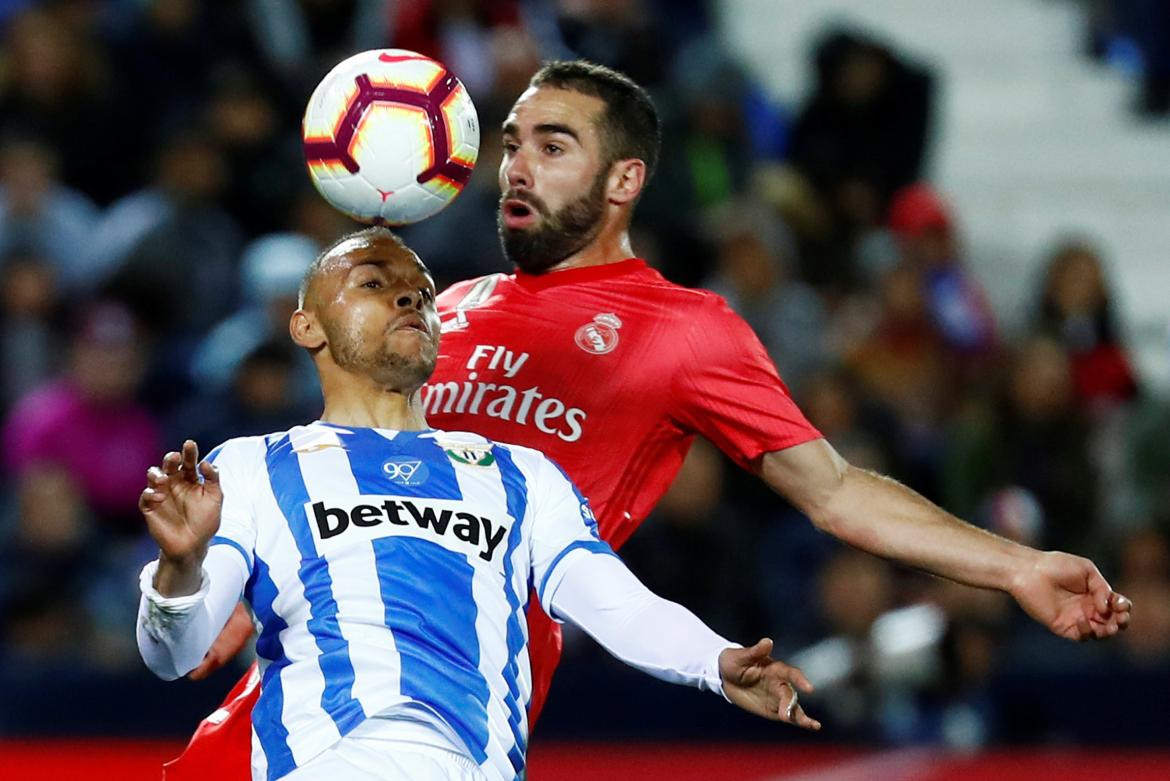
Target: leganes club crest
column 472, row 455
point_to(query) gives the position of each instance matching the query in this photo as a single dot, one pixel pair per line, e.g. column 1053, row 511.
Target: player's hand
column 756, row 682
column 181, row 504
column 1069, row 595
column 230, row 642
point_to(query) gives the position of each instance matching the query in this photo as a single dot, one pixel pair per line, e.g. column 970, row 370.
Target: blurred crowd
column 155, row 220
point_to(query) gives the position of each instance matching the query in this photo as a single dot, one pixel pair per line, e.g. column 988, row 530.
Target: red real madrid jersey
column 611, row 371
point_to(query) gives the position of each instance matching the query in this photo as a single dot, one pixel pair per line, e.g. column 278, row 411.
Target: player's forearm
column 884, row 517
column 600, row 595
column 175, row 632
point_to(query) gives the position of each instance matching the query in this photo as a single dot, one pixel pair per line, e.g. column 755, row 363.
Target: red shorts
column 221, row 747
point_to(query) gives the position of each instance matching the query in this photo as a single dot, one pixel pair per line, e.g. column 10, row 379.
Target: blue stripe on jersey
column 288, row 486
column 516, row 494
column 218, row 540
column 431, row 610
column 587, row 518
column 375, row 451
column 426, row 589
column 594, row 546
column 260, row 591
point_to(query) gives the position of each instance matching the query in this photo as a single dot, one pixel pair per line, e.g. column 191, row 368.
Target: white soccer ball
column 390, row 136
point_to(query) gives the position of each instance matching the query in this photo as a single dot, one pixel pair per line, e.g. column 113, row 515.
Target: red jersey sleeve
column 728, row 390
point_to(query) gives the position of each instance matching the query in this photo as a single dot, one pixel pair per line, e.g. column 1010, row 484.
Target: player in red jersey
column 590, row 356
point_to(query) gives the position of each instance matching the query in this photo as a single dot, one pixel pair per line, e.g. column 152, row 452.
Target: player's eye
column 553, row 149
column 511, row 146
column 372, row 284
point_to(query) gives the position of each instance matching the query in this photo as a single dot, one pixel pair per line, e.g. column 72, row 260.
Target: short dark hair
column 629, row 125
column 371, row 233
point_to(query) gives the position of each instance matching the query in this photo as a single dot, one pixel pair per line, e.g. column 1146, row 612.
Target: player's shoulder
column 457, row 292
column 654, row 286
column 238, row 451
column 300, row 439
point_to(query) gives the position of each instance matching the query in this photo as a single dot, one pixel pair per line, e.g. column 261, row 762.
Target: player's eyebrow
column 385, row 266
column 546, row 128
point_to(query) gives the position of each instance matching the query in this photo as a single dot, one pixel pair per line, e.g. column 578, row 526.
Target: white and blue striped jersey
column 395, row 567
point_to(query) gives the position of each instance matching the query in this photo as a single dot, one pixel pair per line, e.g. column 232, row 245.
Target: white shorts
column 363, row 758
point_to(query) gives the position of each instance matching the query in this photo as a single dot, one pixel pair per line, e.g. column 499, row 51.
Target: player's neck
column 612, row 245
column 353, row 405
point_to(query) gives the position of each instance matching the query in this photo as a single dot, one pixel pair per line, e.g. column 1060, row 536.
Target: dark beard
column 560, row 235
column 384, row 366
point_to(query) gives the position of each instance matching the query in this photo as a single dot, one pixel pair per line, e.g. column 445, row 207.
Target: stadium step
column 1033, row 142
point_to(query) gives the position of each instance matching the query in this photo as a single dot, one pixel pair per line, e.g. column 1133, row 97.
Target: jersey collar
column 572, row 276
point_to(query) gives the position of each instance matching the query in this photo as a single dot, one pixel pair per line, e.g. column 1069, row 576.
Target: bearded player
column 589, row 355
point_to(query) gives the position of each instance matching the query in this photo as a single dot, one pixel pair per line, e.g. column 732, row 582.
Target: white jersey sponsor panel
column 392, row 568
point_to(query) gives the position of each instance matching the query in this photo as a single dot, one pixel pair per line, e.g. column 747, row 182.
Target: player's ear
column 626, row 180
column 305, row 330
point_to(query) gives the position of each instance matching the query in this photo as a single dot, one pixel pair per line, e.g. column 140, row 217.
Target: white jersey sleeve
column 563, row 527
column 174, row 633
column 579, row 578
column 659, row 637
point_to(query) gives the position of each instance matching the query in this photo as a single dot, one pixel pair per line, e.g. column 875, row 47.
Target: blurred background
column 948, row 222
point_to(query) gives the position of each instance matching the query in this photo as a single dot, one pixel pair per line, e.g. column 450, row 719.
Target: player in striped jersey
column 389, row 564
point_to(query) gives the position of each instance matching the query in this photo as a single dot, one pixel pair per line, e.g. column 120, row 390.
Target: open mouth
column 518, row 214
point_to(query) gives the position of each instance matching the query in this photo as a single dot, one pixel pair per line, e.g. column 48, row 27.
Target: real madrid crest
column 600, row 336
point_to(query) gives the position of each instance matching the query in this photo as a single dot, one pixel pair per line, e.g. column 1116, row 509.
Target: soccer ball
column 390, row 137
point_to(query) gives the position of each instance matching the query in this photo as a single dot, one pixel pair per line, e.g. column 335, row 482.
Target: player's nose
column 517, row 172
column 409, row 299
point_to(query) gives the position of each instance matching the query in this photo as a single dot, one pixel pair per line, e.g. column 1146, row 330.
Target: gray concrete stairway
column 1032, row 142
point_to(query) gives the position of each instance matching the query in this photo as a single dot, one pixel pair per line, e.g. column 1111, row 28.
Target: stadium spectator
column 47, row 559
column 462, row 35
column 169, row 249
column 901, row 362
column 621, row 33
column 30, row 333
column 925, row 232
column 755, row 271
column 1077, row 309
column 56, row 87
column 91, row 409
column 1031, row 435
column 299, row 42
column 860, row 136
column 271, row 272
column 263, row 395
column 41, row 215
column 264, row 162
column 166, row 55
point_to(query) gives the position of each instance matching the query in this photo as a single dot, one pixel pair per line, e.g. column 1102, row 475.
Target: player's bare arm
column 181, row 505
column 1066, row 593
